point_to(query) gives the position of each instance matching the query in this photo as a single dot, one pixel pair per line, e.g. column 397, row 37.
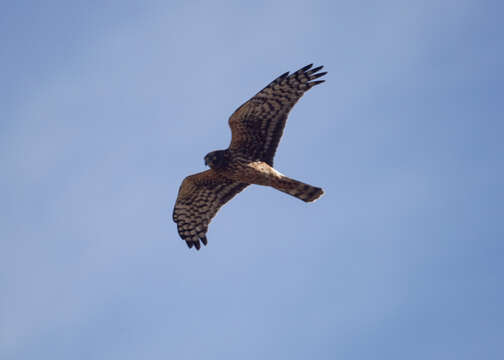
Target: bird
column 256, row 129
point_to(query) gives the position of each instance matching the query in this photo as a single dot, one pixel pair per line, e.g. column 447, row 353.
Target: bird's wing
column 257, row 125
column 199, row 198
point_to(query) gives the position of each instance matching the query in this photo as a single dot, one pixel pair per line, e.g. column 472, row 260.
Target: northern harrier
column 256, row 128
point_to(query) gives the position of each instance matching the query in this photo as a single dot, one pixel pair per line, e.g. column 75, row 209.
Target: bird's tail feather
column 298, row 189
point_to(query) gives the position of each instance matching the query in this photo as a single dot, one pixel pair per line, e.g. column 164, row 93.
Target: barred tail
column 298, row 189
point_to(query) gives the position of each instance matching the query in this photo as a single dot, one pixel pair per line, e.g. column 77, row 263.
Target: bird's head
column 216, row 159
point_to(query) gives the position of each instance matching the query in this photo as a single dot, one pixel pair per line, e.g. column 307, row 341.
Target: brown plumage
column 256, row 128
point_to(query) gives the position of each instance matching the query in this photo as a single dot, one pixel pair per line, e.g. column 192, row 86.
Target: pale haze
column 107, row 105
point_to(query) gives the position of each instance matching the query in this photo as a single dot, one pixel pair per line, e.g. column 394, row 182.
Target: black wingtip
column 204, row 240
column 306, row 67
column 197, row 244
column 313, row 83
column 318, row 68
column 316, row 76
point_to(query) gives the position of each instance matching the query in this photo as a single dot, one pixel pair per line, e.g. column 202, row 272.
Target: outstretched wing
column 257, row 125
column 200, row 197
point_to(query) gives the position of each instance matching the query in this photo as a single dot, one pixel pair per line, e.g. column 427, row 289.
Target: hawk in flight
column 256, row 128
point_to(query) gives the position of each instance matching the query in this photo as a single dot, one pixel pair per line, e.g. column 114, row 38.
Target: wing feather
column 200, row 197
column 258, row 125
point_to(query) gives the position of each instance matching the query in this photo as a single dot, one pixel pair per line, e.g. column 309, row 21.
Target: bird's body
column 256, row 127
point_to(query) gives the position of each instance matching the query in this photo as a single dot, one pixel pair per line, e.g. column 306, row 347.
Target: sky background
column 107, row 105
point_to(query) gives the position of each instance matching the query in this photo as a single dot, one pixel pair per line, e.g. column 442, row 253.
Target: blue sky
column 108, row 105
